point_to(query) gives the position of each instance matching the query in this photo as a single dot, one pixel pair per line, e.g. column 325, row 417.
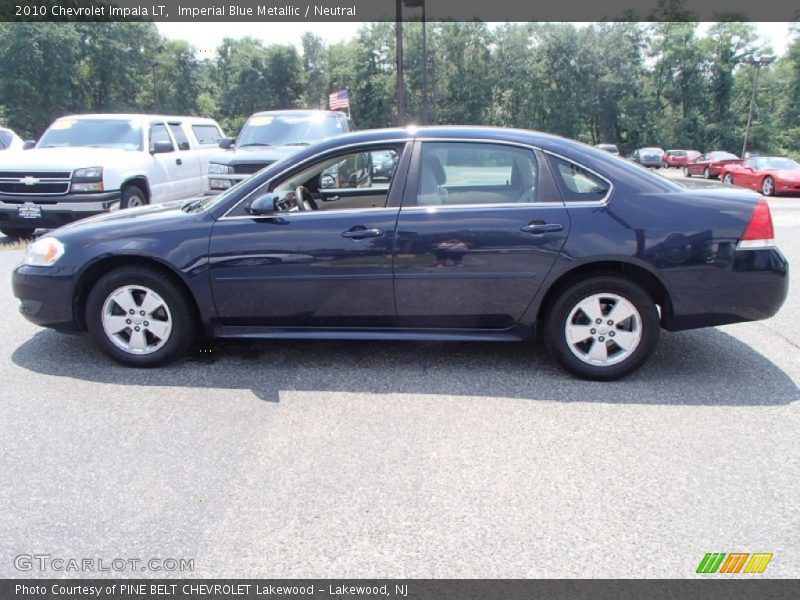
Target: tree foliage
column 628, row 83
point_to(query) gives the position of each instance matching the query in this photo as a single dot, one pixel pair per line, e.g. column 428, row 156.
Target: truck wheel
column 140, row 317
column 17, row 232
column 133, row 196
column 602, row 328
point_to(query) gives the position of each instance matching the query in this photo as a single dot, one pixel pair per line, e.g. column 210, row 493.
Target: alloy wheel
column 603, row 329
column 136, row 319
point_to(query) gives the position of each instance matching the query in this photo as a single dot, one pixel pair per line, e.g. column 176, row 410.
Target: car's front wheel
column 728, row 179
column 602, row 328
column 706, row 173
column 140, row 317
column 686, row 172
column 768, row 186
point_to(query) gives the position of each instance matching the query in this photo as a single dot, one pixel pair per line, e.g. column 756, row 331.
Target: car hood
column 255, row 155
column 37, row 159
column 791, row 174
column 130, row 221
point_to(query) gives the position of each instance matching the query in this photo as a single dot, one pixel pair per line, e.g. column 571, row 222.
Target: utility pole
column 154, row 64
column 398, row 31
column 761, row 61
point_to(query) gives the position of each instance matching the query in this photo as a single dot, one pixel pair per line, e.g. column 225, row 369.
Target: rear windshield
column 289, row 130
column 5, row 138
column 95, row 133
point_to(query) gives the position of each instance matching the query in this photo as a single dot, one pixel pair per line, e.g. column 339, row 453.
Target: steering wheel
column 301, row 194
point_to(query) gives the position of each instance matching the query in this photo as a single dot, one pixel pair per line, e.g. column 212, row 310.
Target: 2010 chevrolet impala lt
column 475, row 234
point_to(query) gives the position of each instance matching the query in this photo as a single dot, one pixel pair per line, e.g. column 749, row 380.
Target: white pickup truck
column 89, row 164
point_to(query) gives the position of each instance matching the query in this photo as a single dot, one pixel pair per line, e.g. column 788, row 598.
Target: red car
column 710, row 164
column 769, row 175
column 678, row 158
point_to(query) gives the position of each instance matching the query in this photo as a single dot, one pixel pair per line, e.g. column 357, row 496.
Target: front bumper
column 45, row 295
column 55, row 210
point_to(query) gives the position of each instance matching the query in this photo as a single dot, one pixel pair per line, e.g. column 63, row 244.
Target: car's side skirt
column 422, row 335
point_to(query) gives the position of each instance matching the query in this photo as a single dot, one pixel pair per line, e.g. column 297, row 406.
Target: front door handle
column 540, row 228
column 178, row 161
column 359, row 233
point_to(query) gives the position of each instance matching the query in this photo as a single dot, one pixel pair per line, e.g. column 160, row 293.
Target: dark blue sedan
column 478, row 234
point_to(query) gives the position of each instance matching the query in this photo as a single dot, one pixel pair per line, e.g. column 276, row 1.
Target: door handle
column 178, row 161
column 361, row 233
column 541, row 228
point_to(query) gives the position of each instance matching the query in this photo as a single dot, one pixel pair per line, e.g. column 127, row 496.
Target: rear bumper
column 45, row 296
column 55, row 210
column 753, row 288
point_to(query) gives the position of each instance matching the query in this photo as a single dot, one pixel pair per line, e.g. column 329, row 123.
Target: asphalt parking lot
column 332, row 459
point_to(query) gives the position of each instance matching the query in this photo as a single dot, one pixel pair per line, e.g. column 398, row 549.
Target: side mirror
column 162, row 147
column 28, row 144
column 263, row 206
column 226, row 143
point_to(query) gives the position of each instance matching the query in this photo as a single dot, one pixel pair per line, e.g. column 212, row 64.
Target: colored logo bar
column 733, row 562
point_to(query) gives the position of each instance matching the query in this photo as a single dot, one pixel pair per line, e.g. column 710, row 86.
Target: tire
column 728, row 179
column 133, row 196
column 706, row 173
column 566, row 322
column 768, row 186
column 17, row 232
column 167, row 328
column 686, row 172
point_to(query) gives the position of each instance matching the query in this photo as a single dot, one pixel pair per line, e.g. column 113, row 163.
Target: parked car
column 89, row 164
column 9, row 140
column 710, row 165
column 769, row 175
column 678, row 158
column 268, row 137
column 383, row 164
column 648, row 157
column 610, row 148
column 481, row 234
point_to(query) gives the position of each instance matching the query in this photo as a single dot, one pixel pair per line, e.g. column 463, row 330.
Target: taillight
column 759, row 232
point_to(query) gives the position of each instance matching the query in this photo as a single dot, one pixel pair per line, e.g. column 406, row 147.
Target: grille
column 47, row 182
column 37, row 174
column 7, row 187
column 249, row 169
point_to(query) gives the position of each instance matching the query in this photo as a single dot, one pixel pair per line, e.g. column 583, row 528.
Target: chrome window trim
column 565, row 203
column 269, row 181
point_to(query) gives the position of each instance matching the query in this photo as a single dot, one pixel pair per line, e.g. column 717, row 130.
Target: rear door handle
column 178, row 161
column 359, row 233
column 540, row 228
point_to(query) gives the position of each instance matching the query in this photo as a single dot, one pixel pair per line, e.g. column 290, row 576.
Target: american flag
column 339, row 100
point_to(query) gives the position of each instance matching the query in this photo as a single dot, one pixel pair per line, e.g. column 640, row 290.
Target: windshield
column 779, row 163
column 287, row 130
column 95, row 133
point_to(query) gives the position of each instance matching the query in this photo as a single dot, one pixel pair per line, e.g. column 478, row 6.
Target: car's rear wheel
column 706, row 173
column 728, row 179
column 686, row 172
column 140, row 317
column 133, row 196
column 17, row 232
column 602, row 328
column 768, row 186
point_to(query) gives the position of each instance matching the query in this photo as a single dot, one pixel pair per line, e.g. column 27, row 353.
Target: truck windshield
column 95, row 133
column 289, row 130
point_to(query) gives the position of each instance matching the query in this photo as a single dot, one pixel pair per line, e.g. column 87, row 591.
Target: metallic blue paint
column 296, row 275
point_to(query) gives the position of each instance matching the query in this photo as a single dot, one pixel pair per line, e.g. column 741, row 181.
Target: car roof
column 298, row 112
column 139, row 117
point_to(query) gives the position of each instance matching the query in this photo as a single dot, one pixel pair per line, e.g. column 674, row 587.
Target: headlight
column 87, row 187
column 44, row 252
column 218, row 169
column 219, row 184
column 88, row 173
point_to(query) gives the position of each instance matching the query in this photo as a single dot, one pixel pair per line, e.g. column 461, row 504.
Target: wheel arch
column 139, row 181
column 643, row 277
column 103, row 265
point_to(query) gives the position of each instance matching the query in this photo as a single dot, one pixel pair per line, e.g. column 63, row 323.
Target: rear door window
column 577, row 183
column 180, row 136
